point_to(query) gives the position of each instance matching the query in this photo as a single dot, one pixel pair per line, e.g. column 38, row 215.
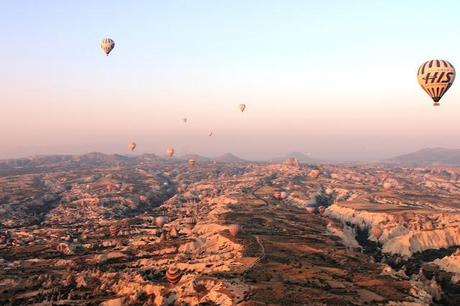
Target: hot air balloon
column 114, row 230
column 191, row 162
column 173, row 275
column 132, row 146
column 170, row 152
column 386, row 185
column 173, row 232
column 436, row 77
column 277, row 195
column 107, row 45
column 163, row 236
column 185, row 120
column 210, row 134
column 160, row 221
column 376, row 231
column 310, row 209
column 242, row 107
column 321, row 209
column 234, row 229
column 190, row 222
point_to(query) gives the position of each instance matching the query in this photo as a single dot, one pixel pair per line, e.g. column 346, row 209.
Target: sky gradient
column 336, row 79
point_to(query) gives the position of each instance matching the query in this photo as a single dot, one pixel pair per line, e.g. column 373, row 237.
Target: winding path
column 259, row 241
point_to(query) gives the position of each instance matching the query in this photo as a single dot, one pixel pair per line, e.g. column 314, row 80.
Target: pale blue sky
column 333, row 78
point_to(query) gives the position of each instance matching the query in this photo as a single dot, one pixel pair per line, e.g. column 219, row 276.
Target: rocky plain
column 113, row 230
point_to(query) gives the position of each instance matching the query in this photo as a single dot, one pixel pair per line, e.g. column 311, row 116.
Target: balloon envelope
column 170, row 152
column 132, row 146
column 173, row 275
column 242, row 107
column 190, row 222
column 277, row 195
column 436, row 77
column 160, row 221
column 107, row 45
column 234, row 229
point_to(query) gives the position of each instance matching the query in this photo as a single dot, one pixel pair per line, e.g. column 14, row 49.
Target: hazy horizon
column 179, row 154
column 336, row 80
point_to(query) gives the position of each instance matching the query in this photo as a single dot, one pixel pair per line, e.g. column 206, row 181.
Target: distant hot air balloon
column 173, row 275
column 107, row 45
column 190, row 222
column 173, row 232
column 114, row 230
column 311, row 209
column 277, row 195
column 321, row 209
column 160, row 221
column 170, row 152
column 242, row 107
column 163, row 236
column 436, row 77
column 191, row 162
column 376, row 231
column 132, row 146
column 210, row 134
column 234, row 229
column 185, row 120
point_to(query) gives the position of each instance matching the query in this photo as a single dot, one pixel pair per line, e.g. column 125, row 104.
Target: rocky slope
column 403, row 234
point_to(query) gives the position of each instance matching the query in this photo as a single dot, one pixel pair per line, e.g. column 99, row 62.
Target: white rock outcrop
column 403, row 234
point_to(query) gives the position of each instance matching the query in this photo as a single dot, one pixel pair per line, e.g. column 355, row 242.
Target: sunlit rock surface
column 81, row 230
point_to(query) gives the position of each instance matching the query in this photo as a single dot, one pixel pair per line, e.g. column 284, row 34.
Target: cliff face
column 450, row 264
column 403, row 234
column 413, row 242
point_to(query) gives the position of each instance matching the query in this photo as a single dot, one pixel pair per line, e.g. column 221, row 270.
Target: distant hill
column 228, row 158
column 97, row 157
column 196, row 157
column 429, row 156
column 41, row 163
column 150, row 157
column 301, row 157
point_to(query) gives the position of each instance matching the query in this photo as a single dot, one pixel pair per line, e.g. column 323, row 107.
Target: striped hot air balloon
column 114, row 230
column 107, row 45
column 190, row 222
column 173, row 275
column 436, row 77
